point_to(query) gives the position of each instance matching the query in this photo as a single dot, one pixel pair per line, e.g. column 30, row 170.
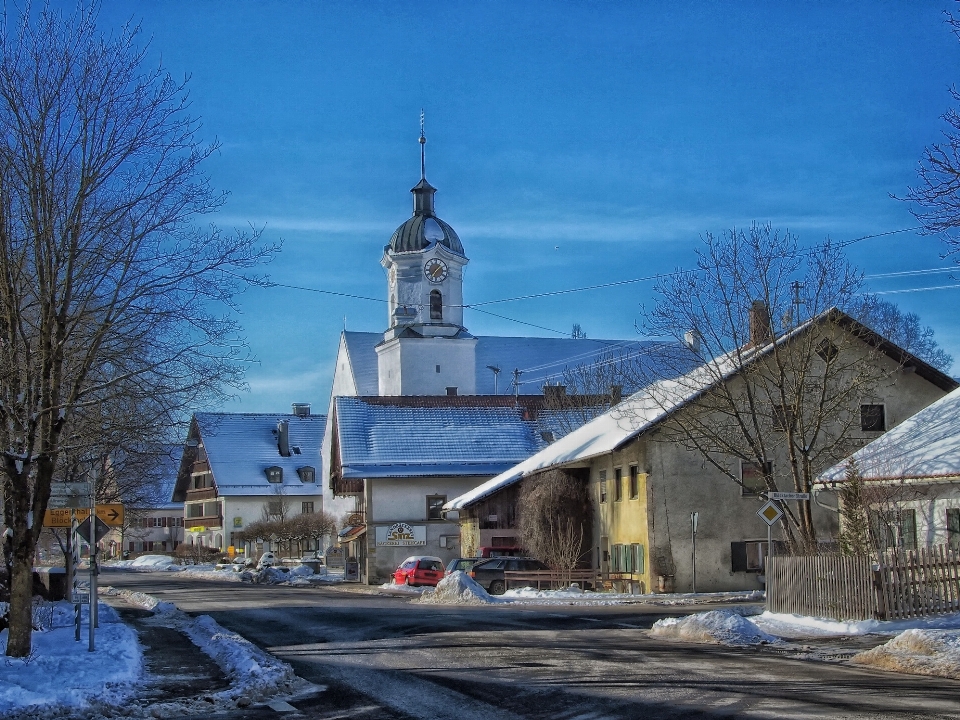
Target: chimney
column 691, row 339
column 283, row 437
column 760, row 330
column 301, row 409
column 616, row 394
column 554, row 392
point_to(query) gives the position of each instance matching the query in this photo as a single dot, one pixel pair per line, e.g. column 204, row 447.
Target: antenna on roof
column 496, row 376
column 517, row 372
column 423, row 142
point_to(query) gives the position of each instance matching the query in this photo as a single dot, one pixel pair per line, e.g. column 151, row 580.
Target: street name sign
column 75, row 488
column 788, row 496
column 110, row 513
column 81, row 598
column 68, row 501
column 770, row 512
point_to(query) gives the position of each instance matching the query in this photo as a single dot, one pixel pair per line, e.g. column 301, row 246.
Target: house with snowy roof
column 646, row 486
column 237, row 468
column 402, row 457
column 912, row 479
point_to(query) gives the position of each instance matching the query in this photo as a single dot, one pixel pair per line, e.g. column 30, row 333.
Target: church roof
column 541, row 360
column 457, row 436
column 421, row 231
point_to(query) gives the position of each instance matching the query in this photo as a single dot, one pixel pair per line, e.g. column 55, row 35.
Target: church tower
column 425, row 349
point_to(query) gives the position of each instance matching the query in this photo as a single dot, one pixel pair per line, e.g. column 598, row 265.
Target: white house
column 237, row 468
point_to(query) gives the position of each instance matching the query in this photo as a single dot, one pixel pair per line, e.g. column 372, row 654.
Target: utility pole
column 516, row 383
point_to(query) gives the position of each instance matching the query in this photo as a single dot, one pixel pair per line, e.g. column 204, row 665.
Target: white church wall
column 427, row 366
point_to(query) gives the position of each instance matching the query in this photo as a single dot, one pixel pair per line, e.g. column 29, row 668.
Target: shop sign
column 402, row 535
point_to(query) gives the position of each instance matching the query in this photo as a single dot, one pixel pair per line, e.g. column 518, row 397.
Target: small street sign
column 110, row 513
column 83, row 529
column 81, row 598
column 68, row 501
column 788, row 496
column 75, row 488
column 770, row 512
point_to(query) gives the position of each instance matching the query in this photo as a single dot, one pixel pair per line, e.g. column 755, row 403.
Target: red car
column 419, row 570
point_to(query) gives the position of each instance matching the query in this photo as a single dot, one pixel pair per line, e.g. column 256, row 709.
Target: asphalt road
column 385, row 657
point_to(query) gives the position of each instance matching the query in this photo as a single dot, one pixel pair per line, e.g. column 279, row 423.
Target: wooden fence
column 904, row 584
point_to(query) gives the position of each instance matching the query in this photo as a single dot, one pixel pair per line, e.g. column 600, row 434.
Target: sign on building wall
column 402, row 535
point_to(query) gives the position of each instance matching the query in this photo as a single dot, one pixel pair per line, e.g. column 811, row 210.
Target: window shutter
column 738, row 556
column 638, row 559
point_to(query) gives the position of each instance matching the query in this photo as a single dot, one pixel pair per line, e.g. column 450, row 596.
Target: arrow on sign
column 113, row 517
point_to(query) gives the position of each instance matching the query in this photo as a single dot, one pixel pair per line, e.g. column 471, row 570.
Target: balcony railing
column 208, row 522
column 201, row 494
column 201, row 466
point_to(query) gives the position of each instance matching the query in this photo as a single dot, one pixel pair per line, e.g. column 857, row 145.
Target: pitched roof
column 241, row 446
column 540, row 359
column 416, row 437
column 644, row 409
column 926, row 445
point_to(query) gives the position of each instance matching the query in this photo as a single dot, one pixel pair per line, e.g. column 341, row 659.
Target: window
column 306, row 508
column 194, row 510
column 438, row 368
column 783, row 418
column 603, row 486
column 436, row 305
column 435, row 505
column 274, row 508
column 872, row 418
column 274, row 474
column 307, row 474
column 451, row 392
column 895, row 529
column 634, row 482
column 748, row 556
column 827, row 351
column 953, row 528
column 617, row 484
column 201, row 481
column 753, row 477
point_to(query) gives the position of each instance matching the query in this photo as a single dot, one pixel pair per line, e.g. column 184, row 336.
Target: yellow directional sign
column 111, row 514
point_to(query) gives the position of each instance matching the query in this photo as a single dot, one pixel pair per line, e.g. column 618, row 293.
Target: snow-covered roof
column 644, row 409
column 541, row 360
column 241, row 446
column 169, row 465
column 926, row 445
column 417, row 437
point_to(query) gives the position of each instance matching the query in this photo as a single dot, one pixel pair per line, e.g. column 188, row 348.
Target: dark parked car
column 489, row 573
column 462, row 564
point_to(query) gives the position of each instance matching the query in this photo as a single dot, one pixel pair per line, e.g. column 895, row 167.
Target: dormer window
column 436, row 305
column 307, row 474
column 274, row 474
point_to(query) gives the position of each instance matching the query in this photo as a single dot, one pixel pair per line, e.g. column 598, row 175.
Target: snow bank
column 921, row 652
column 723, row 627
column 147, row 562
column 107, row 677
column 786, row 625
column 458, row 589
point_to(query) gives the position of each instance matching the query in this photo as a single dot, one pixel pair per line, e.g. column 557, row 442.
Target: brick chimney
column 761, row 331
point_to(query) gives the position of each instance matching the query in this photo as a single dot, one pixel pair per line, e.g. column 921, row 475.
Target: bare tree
column 109, row 288
column 938, row 190
column 555, row 519
column 783, row 373
column 277, row 508
column 905, row 329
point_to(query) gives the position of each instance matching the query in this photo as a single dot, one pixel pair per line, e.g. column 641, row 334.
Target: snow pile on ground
column 574, row 595
column 458, row 589
column 61, row 673
column 799, row 626
column 394, row 589
column 254, row 674
column 921, row 652
column 724, row 627
column 147, row 562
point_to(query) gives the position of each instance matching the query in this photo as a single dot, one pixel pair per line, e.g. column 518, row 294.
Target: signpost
column 694, row 517
column 110, row 513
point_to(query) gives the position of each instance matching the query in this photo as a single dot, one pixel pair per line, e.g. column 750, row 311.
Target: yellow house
column 667, row 516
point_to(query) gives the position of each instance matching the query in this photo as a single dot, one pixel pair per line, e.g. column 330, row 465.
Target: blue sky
column 572, row 144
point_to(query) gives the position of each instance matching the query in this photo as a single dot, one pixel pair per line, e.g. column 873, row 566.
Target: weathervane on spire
column 423, row 142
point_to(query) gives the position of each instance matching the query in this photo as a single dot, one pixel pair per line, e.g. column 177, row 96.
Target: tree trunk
column 21, row 599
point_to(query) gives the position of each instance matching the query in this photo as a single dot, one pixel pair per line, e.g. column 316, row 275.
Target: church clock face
column 435, row 270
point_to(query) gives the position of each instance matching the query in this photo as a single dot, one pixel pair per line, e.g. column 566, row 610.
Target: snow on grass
column 917, row 651
column 575, row 595
column 458, row 589
column 394, row 589
column 723, row 627
column 61, row 673
column 798, row 626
